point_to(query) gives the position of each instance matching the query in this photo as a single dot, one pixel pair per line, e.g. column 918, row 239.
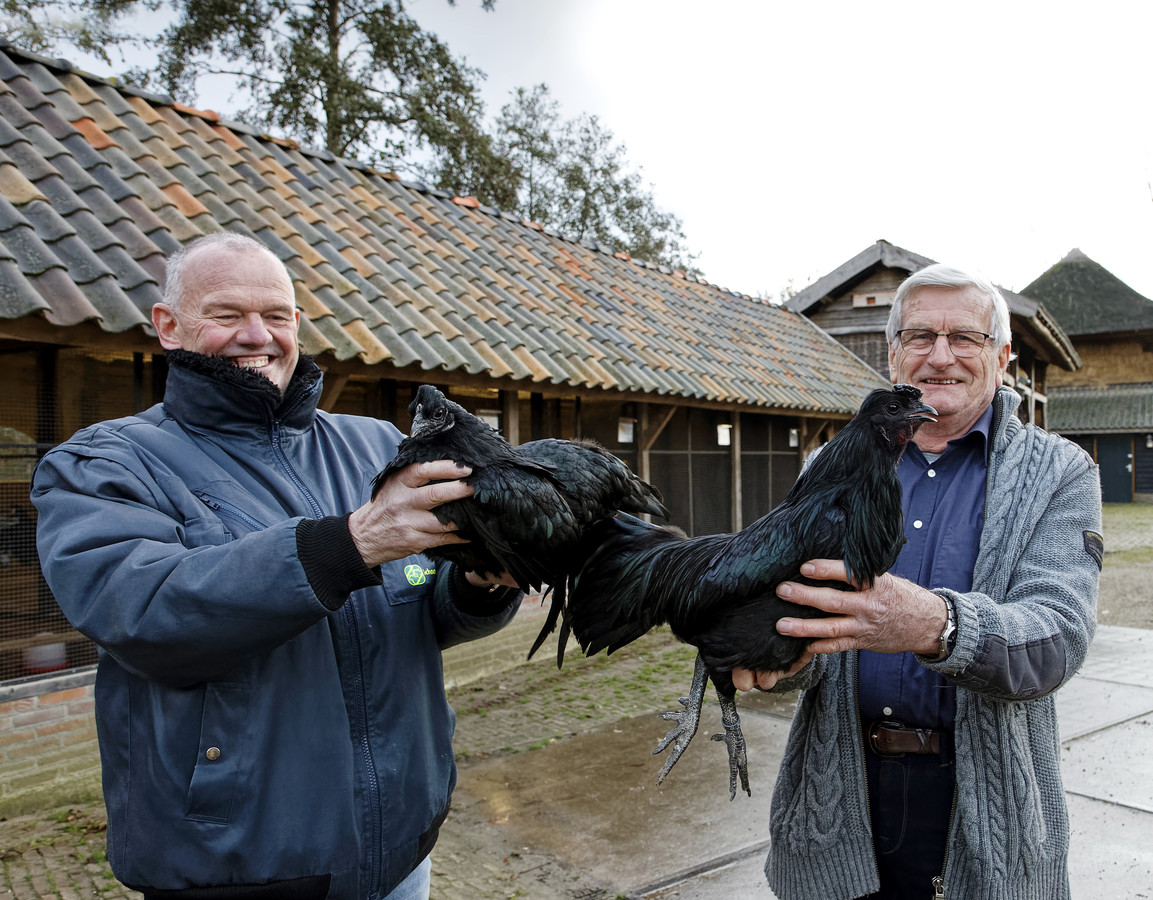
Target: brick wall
column 48, row 752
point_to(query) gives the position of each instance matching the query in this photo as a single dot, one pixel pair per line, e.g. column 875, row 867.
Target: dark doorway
column 1115, row 457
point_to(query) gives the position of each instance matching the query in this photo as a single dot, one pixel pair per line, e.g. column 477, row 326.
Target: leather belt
column 893, row 739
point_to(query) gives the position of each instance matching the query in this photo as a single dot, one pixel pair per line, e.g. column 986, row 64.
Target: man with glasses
column 923, row 762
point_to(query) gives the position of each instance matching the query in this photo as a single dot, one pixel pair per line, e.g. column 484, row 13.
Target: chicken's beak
column 923, row 412
column 418, row 420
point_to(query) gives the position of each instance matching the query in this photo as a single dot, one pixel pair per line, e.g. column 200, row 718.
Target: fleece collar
column 210, row 392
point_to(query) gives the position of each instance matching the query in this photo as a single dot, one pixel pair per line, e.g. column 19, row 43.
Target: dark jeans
column 910, row 802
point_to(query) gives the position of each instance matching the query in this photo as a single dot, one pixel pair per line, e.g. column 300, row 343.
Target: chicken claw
column 734, row 740
column 687, row 720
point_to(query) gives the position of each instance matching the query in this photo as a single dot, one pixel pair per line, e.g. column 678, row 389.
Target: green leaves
column 358, row 77
column 574, row 177
column 362, row 79
column 43, row 26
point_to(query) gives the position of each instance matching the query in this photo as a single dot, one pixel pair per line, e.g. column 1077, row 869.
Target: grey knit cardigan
column 1022, row 632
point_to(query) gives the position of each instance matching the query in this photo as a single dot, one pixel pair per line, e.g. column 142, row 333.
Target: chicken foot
column 687, row 720
column 734, row 740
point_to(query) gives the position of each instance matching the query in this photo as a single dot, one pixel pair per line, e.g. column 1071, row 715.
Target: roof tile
column 385, row 271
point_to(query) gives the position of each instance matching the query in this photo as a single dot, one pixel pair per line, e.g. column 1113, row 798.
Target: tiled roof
column 1096, row 410
column 99, row 183
column 1088, row 299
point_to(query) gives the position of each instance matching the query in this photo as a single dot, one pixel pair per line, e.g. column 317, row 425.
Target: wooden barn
column 852, row 304
column 1107, row 405
column 712, row 395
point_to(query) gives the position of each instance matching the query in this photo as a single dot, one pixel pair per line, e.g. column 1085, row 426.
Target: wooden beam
column 811, row 438
column 650, row 431
column 738, row 482
column 647, row 433
column 333, row 387
column 510, row 416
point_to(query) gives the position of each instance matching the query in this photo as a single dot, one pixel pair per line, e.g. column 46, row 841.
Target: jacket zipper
column 856, row 664
column 282, row 458
column 376, row 840
column 220, row 506
column 939, row 880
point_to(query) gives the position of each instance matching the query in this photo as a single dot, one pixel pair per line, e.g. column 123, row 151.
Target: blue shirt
column 944, row 506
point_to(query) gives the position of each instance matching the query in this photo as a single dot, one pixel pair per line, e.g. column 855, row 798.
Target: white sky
column 788, row 135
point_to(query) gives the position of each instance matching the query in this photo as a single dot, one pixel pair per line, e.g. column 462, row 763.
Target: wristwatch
column 949, row 635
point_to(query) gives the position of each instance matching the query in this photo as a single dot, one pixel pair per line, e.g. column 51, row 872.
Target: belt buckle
column 873, row 738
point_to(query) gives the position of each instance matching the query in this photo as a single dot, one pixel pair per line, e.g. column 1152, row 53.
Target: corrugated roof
column 99, row 183
column 1098, row 410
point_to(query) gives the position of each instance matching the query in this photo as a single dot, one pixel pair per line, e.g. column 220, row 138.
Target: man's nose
column 942, row 353
column 253, row 331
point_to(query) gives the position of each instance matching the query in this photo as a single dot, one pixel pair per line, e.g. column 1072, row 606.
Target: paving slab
column 1111, row 850
column 1123, row 655
column 1086, row 705
column 592, row 803
column 1113, row 765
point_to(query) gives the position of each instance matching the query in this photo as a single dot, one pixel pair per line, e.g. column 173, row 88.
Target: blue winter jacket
column 271, row 712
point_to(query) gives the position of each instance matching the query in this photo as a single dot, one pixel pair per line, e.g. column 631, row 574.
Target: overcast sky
column 788, row 136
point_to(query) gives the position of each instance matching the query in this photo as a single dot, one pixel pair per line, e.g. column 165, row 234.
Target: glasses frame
column 946, row 335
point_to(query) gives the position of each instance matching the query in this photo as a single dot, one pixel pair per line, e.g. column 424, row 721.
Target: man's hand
column 894, row 616
column 398, row 522
column 747, row 679
column 485, row 581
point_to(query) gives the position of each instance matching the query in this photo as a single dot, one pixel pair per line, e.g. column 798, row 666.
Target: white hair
column 939, row 275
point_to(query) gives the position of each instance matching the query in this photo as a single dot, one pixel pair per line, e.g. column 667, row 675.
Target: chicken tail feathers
column 618, row 594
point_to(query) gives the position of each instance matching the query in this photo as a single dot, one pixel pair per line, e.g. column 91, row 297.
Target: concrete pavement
column 588, row 809
column 558, row 797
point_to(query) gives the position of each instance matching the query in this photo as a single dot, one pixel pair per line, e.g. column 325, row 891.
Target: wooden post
column 510, row 416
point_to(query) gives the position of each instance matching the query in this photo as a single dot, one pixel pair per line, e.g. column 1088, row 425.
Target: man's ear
column 164, row 320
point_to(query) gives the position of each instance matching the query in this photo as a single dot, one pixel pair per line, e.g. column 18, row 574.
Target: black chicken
column 531, row 505
column 717, row 592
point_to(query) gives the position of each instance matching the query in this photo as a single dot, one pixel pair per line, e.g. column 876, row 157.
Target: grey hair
column 939, row 275
column 175, row 287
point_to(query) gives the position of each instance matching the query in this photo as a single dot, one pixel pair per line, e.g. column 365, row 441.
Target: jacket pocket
column 222, row 755
column 235, row 520
column 408, row 580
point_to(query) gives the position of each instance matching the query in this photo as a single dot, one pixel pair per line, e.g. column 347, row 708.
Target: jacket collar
column 1006, row 425
column 208, row 392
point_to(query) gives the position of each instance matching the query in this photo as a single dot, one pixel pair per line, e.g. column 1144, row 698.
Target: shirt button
column 212, row 753
column 917, row 524
column 888, row 711
column 932, row 473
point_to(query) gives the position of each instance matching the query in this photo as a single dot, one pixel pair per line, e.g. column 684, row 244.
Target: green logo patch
column 417, row 574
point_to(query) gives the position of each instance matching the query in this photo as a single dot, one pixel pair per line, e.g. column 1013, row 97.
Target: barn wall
column 1105, row 363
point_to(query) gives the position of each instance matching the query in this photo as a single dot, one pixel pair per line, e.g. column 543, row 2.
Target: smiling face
column 240, row 307
column 958, row 389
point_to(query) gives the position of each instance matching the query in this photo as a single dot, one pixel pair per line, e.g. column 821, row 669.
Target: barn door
column 1115, row 456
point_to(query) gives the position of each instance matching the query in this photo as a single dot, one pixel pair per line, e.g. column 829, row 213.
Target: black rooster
column 531, row 505
column 717, row 592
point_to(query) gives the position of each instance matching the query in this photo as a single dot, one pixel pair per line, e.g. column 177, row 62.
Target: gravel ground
column 60, row 853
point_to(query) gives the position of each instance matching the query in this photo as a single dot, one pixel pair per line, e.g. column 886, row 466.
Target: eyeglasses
column 961, row 343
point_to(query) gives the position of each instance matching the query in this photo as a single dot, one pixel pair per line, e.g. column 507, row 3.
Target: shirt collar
column 979, row 433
